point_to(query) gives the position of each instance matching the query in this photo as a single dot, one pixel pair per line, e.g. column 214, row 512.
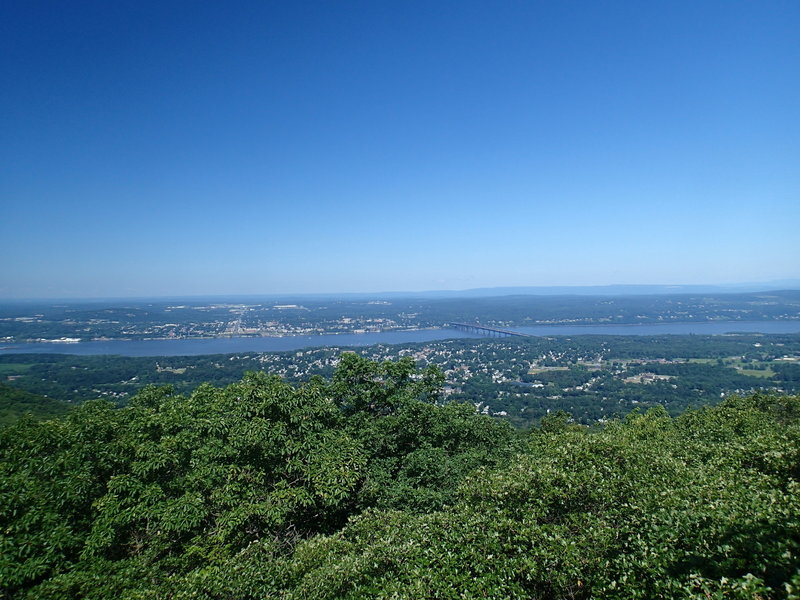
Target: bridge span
column 492, row 331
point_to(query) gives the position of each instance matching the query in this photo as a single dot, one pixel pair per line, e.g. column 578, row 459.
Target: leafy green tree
column 51, row 472
column 652, row 507
column 556, row 421
column 365, row 487
column 381, row 388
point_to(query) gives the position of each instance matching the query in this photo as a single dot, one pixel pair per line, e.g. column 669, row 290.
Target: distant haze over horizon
column 178, row 149
column 599, row 290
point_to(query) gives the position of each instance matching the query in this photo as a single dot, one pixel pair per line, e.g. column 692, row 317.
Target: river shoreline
column 230, row 345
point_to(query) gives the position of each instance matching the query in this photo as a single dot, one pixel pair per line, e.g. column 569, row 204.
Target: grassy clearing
column 765, row 373
column 539, row 370
column 734, row 363
column 703, row 361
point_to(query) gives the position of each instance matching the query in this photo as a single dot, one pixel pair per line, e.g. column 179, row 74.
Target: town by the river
column 227, row 345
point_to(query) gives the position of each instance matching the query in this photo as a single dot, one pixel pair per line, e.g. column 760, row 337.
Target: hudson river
column 277, row 344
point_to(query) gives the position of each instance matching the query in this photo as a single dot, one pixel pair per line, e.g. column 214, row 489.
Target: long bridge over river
column 491, row 331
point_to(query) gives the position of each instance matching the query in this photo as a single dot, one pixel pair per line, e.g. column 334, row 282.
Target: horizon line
column 742, row 287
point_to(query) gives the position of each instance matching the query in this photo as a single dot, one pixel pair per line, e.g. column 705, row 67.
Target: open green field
column 746, row 368
column 538, row 370
column 734, row 362
column 765, row 373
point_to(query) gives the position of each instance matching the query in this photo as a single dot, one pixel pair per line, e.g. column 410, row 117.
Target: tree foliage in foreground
column 363, row 487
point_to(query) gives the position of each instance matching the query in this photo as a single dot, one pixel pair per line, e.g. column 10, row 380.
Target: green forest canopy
column 361, row 486
column 15, row 402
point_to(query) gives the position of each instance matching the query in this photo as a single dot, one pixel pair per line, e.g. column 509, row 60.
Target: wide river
column 190, row 347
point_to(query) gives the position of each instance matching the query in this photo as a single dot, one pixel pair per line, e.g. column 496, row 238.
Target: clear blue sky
column 169, row 148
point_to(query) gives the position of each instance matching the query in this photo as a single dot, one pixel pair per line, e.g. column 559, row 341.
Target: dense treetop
column 364, row 486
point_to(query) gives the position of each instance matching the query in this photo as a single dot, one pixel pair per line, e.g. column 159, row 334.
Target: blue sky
column 171, row 148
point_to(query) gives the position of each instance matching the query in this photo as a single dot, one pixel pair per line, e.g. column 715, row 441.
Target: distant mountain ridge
column 562, row 290
column 482, row 292
column 611, row 290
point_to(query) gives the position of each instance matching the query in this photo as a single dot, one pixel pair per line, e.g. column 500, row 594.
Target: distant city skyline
column 181, row 149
